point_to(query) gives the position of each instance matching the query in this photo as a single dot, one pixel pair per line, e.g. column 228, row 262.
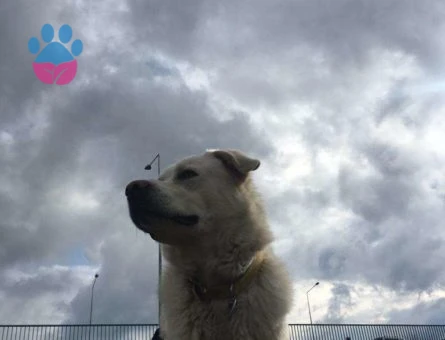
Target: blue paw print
column 55, row 52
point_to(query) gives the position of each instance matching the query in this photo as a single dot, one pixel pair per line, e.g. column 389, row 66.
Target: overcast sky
column 342, row 101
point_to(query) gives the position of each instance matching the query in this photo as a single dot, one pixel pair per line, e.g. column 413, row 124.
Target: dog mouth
column 144, row 217
column 175, row 230
column 187, row 220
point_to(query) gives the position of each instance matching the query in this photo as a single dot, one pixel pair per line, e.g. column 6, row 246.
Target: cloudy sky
column 342, row 100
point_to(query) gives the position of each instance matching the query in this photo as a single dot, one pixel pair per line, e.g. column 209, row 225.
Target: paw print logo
column 54, row 63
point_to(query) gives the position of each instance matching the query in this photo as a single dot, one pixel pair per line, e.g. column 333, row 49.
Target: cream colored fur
column 232, row 227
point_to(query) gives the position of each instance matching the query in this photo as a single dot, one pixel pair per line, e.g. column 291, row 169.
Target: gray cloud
column 423, row 312
column 338, row 304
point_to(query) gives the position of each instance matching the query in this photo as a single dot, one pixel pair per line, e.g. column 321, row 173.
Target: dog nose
column 136, row 186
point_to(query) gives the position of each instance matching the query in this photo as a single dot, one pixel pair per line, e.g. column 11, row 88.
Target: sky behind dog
column 342, row 101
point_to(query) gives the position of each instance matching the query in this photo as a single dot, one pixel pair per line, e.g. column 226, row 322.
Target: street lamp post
column 92, row 294
column 308, row 305
column 148, row 167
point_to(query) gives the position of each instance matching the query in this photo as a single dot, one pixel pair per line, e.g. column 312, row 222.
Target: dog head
column 195, row 197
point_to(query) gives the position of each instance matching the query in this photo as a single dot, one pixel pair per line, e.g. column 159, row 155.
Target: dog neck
column 213, row 264
column 231, row 289
column 221, row 260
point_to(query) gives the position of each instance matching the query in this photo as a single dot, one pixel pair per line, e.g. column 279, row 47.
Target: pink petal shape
column 61, row 74
column 65, row 72
column 44, row 72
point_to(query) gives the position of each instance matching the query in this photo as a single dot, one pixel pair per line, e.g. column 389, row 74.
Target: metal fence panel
column 78, row 332
column 366, row 332
column 297, row 332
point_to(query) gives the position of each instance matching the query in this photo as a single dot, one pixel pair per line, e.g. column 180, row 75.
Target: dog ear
column 238, row 161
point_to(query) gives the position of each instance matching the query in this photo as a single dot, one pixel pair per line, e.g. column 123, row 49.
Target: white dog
column 222, row 280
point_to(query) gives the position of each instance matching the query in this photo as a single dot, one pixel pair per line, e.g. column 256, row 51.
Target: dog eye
column 186, row 174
